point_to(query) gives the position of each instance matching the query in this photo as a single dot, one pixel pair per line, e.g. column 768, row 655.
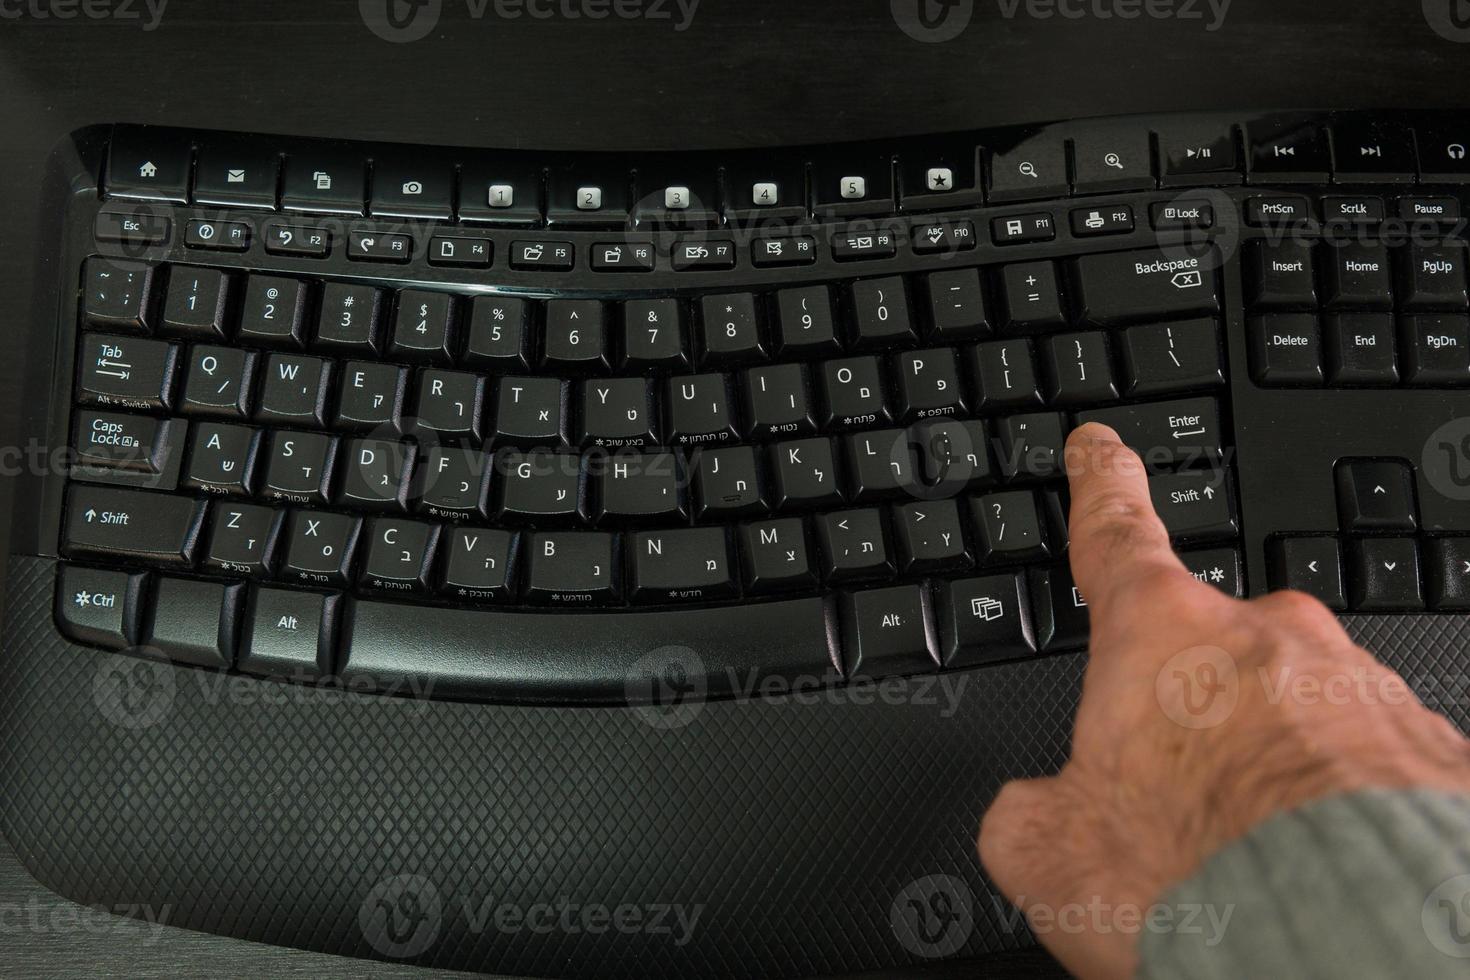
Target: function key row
column 518, row 188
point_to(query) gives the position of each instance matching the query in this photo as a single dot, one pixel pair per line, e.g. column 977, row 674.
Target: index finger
column 1118, row 544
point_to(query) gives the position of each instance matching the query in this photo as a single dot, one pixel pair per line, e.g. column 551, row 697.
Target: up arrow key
column 1379, row 489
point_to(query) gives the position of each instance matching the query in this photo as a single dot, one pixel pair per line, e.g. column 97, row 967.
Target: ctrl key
column 99, row 607
column 290, row 633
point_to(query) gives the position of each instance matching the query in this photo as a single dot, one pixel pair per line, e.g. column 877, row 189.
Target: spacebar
column 619, row 657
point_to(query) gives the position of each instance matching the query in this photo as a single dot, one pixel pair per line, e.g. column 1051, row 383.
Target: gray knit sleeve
column 1371, row 884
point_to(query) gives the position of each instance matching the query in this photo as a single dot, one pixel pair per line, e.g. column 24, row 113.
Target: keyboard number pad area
column 261, row 457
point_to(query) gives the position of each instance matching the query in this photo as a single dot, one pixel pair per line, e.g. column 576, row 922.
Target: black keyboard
column 516, row 427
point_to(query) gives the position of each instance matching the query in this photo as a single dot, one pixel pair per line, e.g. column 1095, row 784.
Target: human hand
column 1201, row 716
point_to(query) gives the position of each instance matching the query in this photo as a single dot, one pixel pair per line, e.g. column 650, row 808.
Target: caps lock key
column 1148, row 284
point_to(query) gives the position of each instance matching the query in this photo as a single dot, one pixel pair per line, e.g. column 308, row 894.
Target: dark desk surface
column 752, row 72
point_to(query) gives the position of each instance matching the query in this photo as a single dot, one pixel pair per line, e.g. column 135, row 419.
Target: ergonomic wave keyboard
column 520, row 427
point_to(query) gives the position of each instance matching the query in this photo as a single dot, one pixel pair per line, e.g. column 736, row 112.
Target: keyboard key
column 699, row 410
column 729, row 330
column 195, row 622
column 571, row 568
column 294, row 390
column 1432, row 278
column 884, row 633
column 273, row 312
column 222, row 459
column 218, row 382
column 449, row 404
column 528, row 412
column 653, row 334
column 1286, row 349
column 953, row 456
column 1288, row 149
column 774, row 556
column 99, row 607
column 1309, row 564
column 1008, row 527
column 1058, row 609
column 126, row 372
column 242, row 539
column 1193, row 505
column 1160, row 358
column 805, row 474
column 452, row 483
column 115, row 294
column 1279, row 211
column 983, row 619
column 478, row 565
column 348, row 320
column 880, row 313
column 956, row 305
column 1352, row 210
column 776, row 402
column 320, row 548
column 375, row 246
column 1219, row 567
column 1005, row 375
column 1280, row 275
column 423, row 326
column 1078, row 369
column 1193, row 157
column 1165, row 433
column 804, row 318
column 1033, row 169
column 133, row 229
column 929, row 538
column 617, row 412
column 1436, row 350
column 399, row 555
column 1447, row 571
column 1360, row 349
column 852, row 393
column 196, row 303
column 929, row 385
column 324, row 178
column 105, row 522
column 692, row 564
column 537, row 487
column 1375, row 495
column 575, row 335
column 497, row 334
column 880, row 464
column 1356, row 275
column 299, row 467
column 120, row 442
column 1150, row 284
column 1181, row 215
column 1376, row 151
column 375, row 475
column 371, row 397
column 1031, row 445
column 638, row 486
column 542, row 256
column 1384, row 575
column 309, row 241
column 853, row 545
column 290, row 633
column 726, row 484
column 1032, row 299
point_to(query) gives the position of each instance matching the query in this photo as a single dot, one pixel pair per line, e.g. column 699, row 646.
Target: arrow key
column 1385, row 575
column 1375, row 495
column 1310, row 565
column 1447, row 568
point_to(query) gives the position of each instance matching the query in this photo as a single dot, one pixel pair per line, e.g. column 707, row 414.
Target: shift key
column 1165, row 433
column 1193, row 504
column 1147, row 284
column 106, row 522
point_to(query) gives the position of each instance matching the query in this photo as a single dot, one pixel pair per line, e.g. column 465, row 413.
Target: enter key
column 1165, row 434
